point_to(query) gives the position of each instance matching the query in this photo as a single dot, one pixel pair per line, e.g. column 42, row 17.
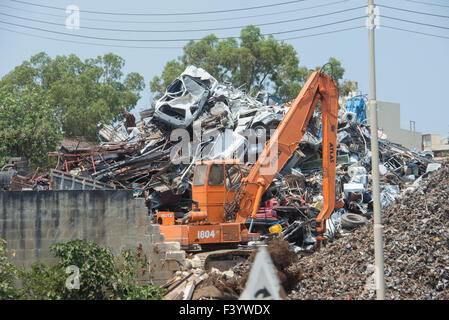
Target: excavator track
column 223, row 259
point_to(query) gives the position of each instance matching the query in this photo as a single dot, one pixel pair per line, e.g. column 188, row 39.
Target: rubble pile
column 230, row 284
column 416, row 236
column 284, row 259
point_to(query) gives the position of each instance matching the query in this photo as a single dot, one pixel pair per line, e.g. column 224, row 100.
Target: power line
column 418, row 12
column 415, row 22
column 322, row 33
column 185, row 21
column 428, row 3
column 188, row 30
column 166, row 14
column 171, row 40
column 412, row 31
column 314, row 27
column 89, row 43
column 145, row 47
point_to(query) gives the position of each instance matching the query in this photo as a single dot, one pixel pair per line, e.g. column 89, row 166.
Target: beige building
column 389, row 121
column 434, row 143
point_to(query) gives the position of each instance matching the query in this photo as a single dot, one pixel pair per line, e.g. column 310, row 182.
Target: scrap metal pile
column 416, row 242
column 151, row 157
column 148, row 156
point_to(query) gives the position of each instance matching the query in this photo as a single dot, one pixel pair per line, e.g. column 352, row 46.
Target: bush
column 8, row 274
column 42, row 282
column 101, row 275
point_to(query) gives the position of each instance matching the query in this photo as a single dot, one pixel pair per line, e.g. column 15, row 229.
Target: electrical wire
column 157, row 47
column 314, row 27
column 185, row 21
column 166, row 14
column 88, row 43
column 412, row 31
column 412, row 11
column 428, row 3
column 322, row 33
column 189, row 30
column 170, row 40
column 415, row 22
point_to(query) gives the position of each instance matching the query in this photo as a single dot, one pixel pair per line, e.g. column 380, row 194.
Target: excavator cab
column 214, row 183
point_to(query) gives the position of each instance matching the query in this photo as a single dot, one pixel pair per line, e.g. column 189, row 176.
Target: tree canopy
column 254, row 62
column 44, row 99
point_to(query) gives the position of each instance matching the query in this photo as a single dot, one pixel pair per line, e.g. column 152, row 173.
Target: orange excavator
column 224, row 199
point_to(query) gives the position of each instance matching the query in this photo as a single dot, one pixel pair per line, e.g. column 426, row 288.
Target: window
column 233, row 175
column 200, row 175
column 216, row 175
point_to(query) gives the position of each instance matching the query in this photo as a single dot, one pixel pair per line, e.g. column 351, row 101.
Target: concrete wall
column 32, row 221
column 389, row 120
column 410, row 139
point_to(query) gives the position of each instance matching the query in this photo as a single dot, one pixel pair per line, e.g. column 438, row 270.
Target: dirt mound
column 218, row 287
column 416, row 241
column 284, row 260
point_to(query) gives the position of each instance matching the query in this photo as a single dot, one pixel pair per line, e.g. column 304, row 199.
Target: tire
column 352, row 220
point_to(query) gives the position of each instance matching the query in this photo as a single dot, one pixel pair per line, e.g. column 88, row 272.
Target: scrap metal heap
column 416, row 233
column 147, row 157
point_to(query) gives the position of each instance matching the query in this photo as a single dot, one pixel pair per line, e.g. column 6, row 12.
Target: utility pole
column 378, row 228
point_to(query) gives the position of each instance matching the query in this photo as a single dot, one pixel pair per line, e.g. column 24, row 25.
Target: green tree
column 254, row 62
column 79, row 93
column 28, row 125
column 346, row 87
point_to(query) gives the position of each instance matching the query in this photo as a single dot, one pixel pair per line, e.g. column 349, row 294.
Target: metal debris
column 416, row 233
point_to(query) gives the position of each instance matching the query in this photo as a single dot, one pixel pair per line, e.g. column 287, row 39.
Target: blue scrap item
column 275, row 99
column 357, row 105
column 276, row 222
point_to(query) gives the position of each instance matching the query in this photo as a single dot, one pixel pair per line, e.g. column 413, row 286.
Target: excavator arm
column 286, row 139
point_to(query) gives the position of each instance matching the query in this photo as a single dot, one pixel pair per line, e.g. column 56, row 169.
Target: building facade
column 389, row 122
column 434, row 143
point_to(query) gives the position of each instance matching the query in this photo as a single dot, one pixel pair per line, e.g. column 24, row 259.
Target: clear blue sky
column 412, row 69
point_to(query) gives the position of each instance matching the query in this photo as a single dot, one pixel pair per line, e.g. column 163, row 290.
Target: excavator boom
column 286, row 139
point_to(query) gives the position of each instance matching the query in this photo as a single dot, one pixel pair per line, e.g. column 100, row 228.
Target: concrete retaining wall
column 32, row 221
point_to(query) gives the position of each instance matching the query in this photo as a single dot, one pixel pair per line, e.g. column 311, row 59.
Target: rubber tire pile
column 416, row 241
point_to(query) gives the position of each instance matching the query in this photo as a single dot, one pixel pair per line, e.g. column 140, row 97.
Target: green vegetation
column 8, row 274
column 101, row 275
column 254, row 62
column 45, row 99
